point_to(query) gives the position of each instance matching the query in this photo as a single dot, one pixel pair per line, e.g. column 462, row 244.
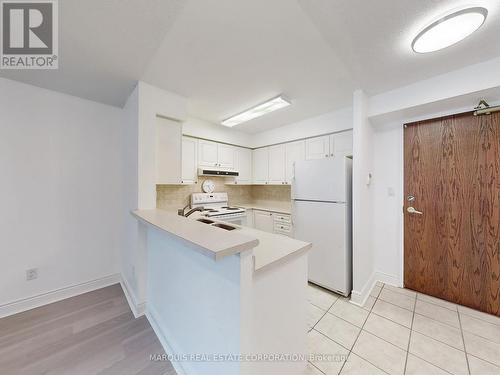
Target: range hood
column 209, row 171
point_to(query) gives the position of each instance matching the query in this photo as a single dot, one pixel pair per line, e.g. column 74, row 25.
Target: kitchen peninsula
column 214, row 295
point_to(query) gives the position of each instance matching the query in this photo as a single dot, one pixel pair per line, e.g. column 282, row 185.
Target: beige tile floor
column 397, row 332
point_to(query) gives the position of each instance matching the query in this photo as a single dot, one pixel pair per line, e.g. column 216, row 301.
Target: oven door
column 239, row 220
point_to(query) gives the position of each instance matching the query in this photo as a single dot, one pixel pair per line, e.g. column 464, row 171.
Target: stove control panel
column 199, row 199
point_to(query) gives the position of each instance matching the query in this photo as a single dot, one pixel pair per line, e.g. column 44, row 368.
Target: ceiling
column 104, row 47
column 228, row 55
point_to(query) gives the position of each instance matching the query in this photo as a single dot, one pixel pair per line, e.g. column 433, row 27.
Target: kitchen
column 288, row 187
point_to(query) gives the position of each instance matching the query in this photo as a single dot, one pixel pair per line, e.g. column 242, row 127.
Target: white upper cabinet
column 243, row 164
column 225, row 156
column 261, row 165
column 294, row 151
column 329, row 146
column 276, row 165
column 168, row 151
column 189, row 160
column 318, row 147
column 207, row 153
column 341, row 144
column 213, row 154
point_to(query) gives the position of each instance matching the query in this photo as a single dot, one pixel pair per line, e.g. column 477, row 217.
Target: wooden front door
column 452, row 235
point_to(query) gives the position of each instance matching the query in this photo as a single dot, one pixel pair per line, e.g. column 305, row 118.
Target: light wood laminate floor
column 93, row 333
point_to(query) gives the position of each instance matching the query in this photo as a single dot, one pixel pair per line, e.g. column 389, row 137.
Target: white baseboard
column 359, row 297
column 388, row 279
column 153, row 319
column 29, row 303
column 138, row 308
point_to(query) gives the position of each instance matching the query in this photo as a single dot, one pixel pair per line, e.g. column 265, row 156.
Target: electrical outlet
column 32, row 274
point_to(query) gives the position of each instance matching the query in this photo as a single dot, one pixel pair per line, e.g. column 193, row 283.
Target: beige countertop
column 271, row 207
column 273, row 247
column 217, row 243
column 213, row 242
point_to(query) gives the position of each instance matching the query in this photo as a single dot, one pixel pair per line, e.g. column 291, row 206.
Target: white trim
column 137, row 308
column 359, row 298
column 55, row 295
column 388, row 279
column 153, row 318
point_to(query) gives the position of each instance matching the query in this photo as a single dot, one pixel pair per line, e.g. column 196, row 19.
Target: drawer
column 283, row 233
column 282, row 227
column 282, row 218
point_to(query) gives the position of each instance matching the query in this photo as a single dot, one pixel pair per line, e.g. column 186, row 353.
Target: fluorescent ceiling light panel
column 257, row 111
column 449, row 30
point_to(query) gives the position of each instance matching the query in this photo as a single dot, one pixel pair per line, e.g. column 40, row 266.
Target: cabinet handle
column 331, row 154
column 326, row 155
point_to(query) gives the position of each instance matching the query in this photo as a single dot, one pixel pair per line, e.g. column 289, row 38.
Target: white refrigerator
column 322, row 215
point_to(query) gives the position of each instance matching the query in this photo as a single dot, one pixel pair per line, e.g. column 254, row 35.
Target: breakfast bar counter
column 226, row 301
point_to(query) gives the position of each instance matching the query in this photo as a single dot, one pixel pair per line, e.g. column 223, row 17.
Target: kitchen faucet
column 181, row 211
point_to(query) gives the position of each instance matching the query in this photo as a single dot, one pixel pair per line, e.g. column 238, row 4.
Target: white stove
column 216, row 206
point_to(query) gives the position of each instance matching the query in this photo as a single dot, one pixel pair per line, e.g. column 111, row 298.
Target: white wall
column 363, row 257
column 139, row 179
column 129, row 256
column 152, row 102
column 203, row 129
column 61, row 190
column 387, row 197
column 327, row 123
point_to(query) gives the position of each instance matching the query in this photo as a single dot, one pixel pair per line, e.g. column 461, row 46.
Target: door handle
column 412, row 210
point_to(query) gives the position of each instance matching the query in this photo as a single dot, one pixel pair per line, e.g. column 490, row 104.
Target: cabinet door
column 168, row 151
column 225, row 156
column 263, row 221
column 243, row 164
column 207, row 154
column 341, row 144
column 250, row 219
column 189, row 160
column 261, row 165
column 294, row 151
column 277, row 165
column 318, row 148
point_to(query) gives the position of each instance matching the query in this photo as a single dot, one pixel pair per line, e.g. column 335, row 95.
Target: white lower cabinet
column 283, row 224
column 250, row 218
column 272, row 222
column 263, row 220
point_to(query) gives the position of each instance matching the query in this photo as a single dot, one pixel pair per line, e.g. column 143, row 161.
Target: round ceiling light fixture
column 449, row 30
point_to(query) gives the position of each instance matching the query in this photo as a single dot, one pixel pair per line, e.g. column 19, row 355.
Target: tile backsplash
column 177, row 196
